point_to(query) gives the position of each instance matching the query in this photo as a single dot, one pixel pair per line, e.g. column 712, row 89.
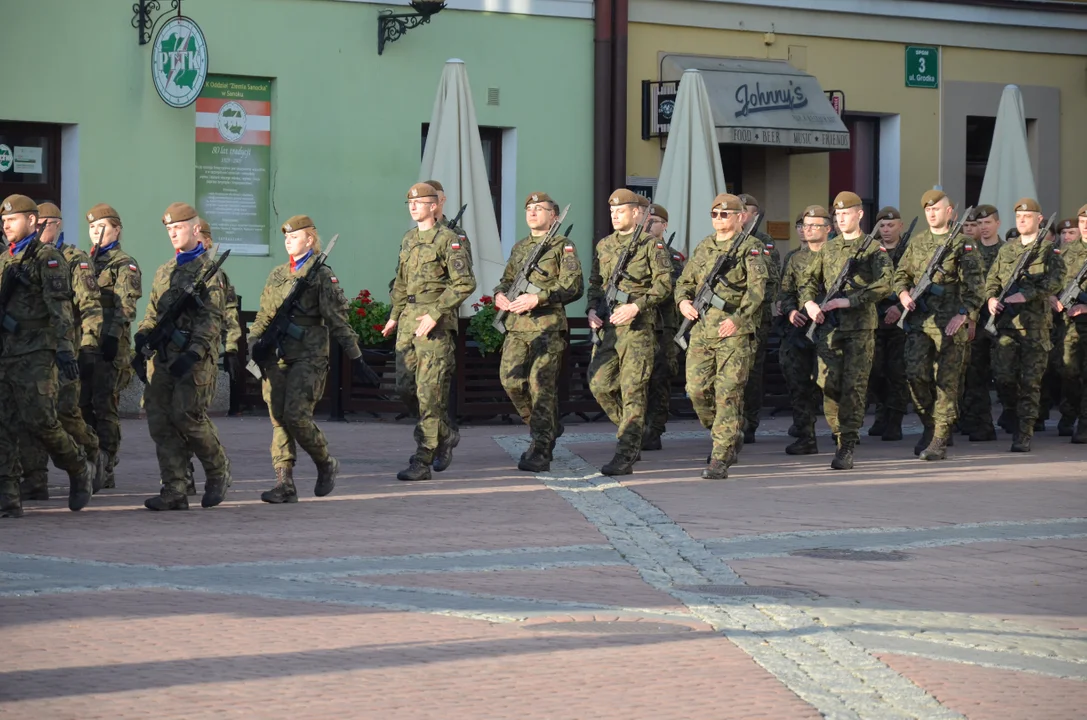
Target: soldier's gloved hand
column 231, row 366
column 139, row 341
column 184, row 363
column 362, row 374
column 88, row 358
column 69, row 366
column 139, row 364
column 109, row 348
column 255, row 351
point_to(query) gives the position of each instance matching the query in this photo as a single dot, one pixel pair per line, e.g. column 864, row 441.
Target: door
column 30, row 160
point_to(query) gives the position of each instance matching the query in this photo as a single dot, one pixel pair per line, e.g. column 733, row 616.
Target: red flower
column 379, row 327
column 365, row 293
column 361, row 312
column 486, row 299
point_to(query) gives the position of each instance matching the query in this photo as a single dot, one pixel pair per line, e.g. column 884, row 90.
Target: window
column 857, row 169
column 979, row 140
column 491, row 140
column 30, row 160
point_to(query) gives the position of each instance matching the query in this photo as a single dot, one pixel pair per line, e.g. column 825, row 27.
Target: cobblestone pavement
column 902, row 589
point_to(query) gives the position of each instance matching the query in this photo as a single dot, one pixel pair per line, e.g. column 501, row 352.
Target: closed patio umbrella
column 1008, row 175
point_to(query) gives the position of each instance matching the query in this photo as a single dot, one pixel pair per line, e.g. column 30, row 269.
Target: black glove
column 109, row 348
column 140, row 341
column 139, row 364
column 363, row 375
column 184, row 363
column 88, row 358
column 69, row 366
column 256, row 351
column 231, row 366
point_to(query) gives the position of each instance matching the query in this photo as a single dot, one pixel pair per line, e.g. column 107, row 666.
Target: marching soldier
column 34, row 344
column 938, row 323
column 121, row 286
column 796, row 353
column 1072, row 323
column 753, row 390
column 888, row 381
column 536, row 328
column 723, row 341
column 433, row 277
column 1022, row 344
column 666, row 361
column 779, row 316
column 295, row 380
column 622, row 363
column 181, row 377
column 83, row 334
column 844, row 348
column 977, row 411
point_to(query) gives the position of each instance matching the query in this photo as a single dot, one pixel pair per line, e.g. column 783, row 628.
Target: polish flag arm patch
column 334, row 279
column 454, row 245
column 51, row 263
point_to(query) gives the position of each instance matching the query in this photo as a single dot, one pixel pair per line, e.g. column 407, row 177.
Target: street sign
column 922, row 66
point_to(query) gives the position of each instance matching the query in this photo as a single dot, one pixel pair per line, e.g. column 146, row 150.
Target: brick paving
column 490, row 593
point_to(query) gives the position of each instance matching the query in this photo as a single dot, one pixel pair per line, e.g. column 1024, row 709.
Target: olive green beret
column 19, row 204
column 205, row 229
column 931, row 197
column 49, row 210
column 728, row 202
column 102, row 211
column 622, row 196
column 421, row 190
column 1028, row 205
column 888, row 213
column 659, row 211
column 799, row 218
column 434, row 184
column 178, row 212
column 983, row 211
column 1082, row 211
column 815, row 211
column 1068, row 224
column 297, row 222
column 539, row 197
column 748, row 200
column 847, row 199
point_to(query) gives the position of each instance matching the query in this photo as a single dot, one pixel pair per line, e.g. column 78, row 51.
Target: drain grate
column 747, row 590
column 611, row 627
column 846, row 554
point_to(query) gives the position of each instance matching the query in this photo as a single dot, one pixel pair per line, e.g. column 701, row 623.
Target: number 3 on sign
column 921, row 65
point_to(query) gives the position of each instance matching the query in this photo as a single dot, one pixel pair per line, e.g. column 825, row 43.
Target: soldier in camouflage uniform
column 1023, row 321
column 938, row 324
column 666, row 361
column 181, row 378
column 888, row 382
column 34, row 344
column 976, row 407
column 83, row 334
column 536, row 328
column 722, row 346
column 433, row 277
column 295, row 379
column 121, row 286
column 797, row 353
column 622, row 363
column 754, row 390
column 1073, row 332
column 845, row 345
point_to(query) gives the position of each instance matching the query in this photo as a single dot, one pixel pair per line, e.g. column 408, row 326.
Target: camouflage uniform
column 28, row 372
column 888, row 380
column 121, row 286
column 754, row 390
column 84, row 335
column 535, row 341
column 177, row 406
column 622, row 363
column 433, row 277
column 665, row 363
column 718, row 368
column 845, row 345
column 232, row 329
column 1073, row 348
column 797, row 353
column 1021, row 347
column 976, row 414
column 934, row 361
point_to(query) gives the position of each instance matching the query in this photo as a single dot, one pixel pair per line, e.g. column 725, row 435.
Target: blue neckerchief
column 16, row 248
column 103, row 249
column 60, row 240
column 295, row 264
column 190, row 255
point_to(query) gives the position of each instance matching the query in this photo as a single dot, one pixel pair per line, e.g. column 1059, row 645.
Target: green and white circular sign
column 179, row 62
column 6, row 158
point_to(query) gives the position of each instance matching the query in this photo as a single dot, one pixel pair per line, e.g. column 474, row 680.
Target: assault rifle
column 1072, row 295
column 455, row 221
column 904, row 239
column 16, row 274
column 612, row 294
column 569, row 229
column 924, row 284
column 521, row 284
column 1011, row 286
column 844, row 277
column 706, row 297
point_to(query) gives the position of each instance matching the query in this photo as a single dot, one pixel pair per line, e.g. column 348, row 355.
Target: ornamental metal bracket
column 141, row 17
column 391, row 27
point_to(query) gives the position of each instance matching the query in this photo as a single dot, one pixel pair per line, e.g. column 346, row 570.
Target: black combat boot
column 10, row 507
column 621, row 464
column 417, row 469
column 804, row 445
column 715, row 470
column 326, row 477
column 1021, row 443
column 892, row 430
column 34, row 486
column 1066, row 426
column 110, row 480
column 443, row 456
column 101, row 470
column 983, row 433
column 924, row 440
column 749, row 435
column 1080, row 436
column 284, row 490
column 794, row 430
column 190, row 481
column 167, row 499
column 651, row 440
column 80, row 487
column 535, row 463
column 936, row 450
column 215, row 490
column 879, row 425
column 843, row 459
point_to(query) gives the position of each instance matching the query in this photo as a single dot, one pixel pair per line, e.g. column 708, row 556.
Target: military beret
column 102, row 211
column 931, row 197
column 178, row 212
column 1082, row 211
column 297, row 222
column 1028, row 205
column 539, row 197
column 1011, row 234
column 846, row 200
column 815, row 211
column 434, row 184
column 889, row 213
column 799, row 218
column 748, row 200
column 659, row 211
column 421, row 190
column 1068, row 224
column 728, row 202
column 19, row 204
column 205, row 229
column 983, row 211
column 49, row 210
column 622, row 196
